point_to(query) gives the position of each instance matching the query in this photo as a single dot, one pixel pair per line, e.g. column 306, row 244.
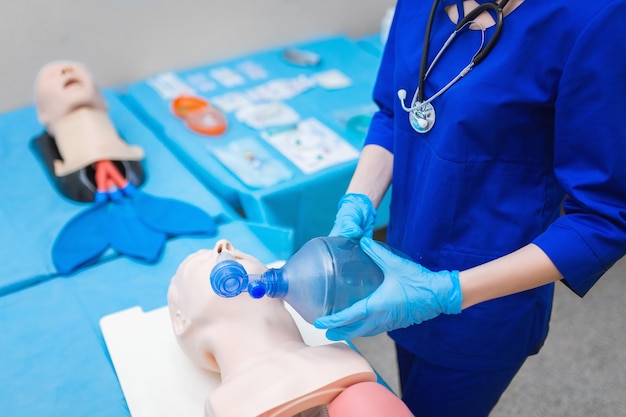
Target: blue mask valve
column 228, row 278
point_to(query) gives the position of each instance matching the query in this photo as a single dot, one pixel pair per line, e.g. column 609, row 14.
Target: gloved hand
column 409, row 294
column 355, row 218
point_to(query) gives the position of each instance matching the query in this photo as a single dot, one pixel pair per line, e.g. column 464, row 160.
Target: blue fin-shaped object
column 82, row 240
column 129, row 235
column 136, row 225
column 172, row 217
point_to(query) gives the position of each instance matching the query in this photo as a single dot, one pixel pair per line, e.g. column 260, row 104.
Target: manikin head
column 266, row 368
column 64, row 86
column 201, row 319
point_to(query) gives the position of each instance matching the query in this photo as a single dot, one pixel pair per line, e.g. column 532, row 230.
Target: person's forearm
column 524, row 269
column 373, row 173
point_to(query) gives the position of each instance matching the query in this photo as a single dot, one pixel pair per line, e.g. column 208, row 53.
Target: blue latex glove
column 355, row 217
column 409, row 294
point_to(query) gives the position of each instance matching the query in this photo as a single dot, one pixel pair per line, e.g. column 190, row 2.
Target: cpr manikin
column 266, row 368
column 73, row 111
column 89, row 162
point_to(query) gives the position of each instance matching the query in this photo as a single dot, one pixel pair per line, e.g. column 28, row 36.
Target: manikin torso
column 367, row 399
column 266, row 368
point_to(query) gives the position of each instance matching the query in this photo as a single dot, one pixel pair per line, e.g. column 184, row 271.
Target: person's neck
column 485, row 19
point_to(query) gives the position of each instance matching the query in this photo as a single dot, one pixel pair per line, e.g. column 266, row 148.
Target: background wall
column 122, row 41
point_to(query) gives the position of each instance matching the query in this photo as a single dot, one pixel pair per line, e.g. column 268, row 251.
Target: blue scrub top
column 541, row 120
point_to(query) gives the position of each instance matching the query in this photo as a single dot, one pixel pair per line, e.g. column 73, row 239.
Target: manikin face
column 202, row 320
column 251, row 264
column 63, row 86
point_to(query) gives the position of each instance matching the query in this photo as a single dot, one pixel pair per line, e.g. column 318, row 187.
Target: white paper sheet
column 157, row 379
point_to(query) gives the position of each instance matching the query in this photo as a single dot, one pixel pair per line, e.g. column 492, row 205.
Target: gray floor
column 581, row 370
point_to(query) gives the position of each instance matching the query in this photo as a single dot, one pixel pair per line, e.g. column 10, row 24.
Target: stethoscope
column 422, row 112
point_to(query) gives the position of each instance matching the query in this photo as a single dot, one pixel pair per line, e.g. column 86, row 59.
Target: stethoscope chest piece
column 421, row 112
column 422, row 119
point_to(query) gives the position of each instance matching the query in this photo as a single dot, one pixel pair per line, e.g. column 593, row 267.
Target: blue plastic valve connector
column 229, row 278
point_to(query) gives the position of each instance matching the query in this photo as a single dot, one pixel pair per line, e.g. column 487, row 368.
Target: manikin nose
column 223, row 245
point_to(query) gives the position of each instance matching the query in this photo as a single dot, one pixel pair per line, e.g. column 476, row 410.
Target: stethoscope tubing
column 460, row 75
column 497, row 8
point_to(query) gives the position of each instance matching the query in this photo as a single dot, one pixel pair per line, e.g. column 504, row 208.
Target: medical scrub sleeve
column 590, row 153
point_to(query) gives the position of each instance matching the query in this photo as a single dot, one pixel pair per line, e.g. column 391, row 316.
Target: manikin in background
column 266, row 368
column 89, row 162
column 72, row 109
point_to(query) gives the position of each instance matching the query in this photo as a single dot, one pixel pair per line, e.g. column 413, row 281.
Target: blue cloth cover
column 33, row 212
column 54, row 359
